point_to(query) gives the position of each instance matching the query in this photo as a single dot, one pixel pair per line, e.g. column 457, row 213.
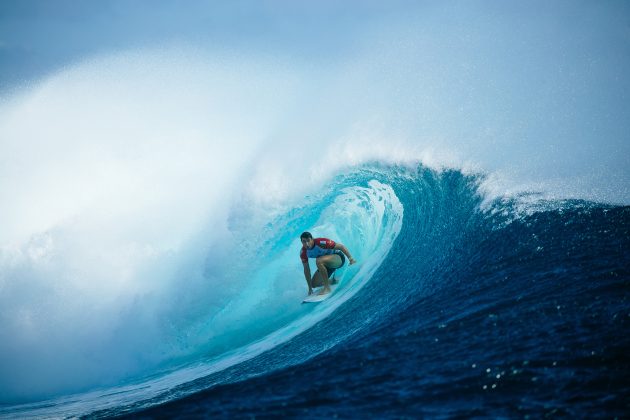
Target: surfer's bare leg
column 317, row 280
column 330, row 261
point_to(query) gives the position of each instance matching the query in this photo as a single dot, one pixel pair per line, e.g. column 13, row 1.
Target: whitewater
column 151, row 203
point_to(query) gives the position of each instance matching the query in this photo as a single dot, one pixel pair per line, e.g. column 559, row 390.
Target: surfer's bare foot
column 324, row 291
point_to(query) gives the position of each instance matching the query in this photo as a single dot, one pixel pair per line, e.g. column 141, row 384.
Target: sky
column 543, row 80
column 37, row 37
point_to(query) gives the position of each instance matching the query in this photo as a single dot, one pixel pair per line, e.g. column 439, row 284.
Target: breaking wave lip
column 370, row 214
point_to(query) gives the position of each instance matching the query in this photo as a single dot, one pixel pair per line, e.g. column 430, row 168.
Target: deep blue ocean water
column 479, row 309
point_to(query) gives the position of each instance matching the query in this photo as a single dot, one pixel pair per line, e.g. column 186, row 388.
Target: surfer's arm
column 343, row 249
column 307, row 275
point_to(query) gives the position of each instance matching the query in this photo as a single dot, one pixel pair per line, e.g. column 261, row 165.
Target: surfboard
column 315, row 297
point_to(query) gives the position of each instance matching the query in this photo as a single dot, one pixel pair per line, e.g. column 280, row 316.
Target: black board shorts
column 332, row 270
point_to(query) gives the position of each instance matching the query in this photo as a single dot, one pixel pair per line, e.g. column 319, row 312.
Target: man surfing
column 328, row 255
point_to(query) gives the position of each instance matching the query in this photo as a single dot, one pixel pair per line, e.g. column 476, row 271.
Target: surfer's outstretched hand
column 352, row 261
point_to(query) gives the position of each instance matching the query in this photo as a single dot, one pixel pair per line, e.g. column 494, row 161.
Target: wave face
column 459, row 307
column 505, row 311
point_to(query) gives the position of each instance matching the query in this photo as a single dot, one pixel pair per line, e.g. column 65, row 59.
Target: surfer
column 328, row 255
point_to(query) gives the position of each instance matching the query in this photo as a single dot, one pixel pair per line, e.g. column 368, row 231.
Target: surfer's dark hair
column 306, row 235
